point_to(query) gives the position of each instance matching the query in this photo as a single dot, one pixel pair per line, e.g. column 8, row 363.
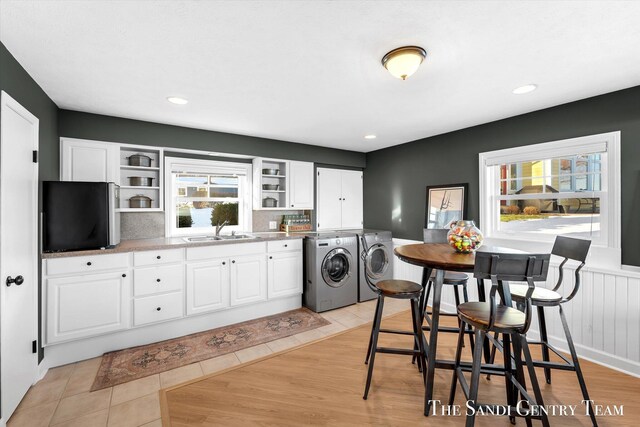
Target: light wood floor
column 322, row 383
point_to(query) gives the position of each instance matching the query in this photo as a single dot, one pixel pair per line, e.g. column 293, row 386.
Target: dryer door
column 336, row 267
column 377, row 261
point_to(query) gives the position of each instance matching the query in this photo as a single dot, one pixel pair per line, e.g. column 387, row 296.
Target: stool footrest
column 395, row 331
column 555, row 351
column 391, row 350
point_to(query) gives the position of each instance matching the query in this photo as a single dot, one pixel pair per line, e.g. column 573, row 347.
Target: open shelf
column 274, row 176
column 155, row 192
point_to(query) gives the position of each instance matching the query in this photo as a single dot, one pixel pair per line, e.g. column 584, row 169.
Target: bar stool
column 486, row 317
column 570, row 249
column 398, row 289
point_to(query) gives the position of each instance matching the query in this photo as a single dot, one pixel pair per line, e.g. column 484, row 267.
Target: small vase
column 465, row 237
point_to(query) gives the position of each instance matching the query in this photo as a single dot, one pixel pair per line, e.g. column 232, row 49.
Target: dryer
column 381, row 261
column 331, row 270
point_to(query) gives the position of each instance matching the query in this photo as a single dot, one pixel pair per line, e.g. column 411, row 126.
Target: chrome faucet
column 219, row 227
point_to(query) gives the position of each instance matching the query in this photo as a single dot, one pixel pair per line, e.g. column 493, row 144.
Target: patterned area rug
column 130, row 364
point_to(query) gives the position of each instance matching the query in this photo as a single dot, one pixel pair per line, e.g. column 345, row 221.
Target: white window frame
column 610, row 235
column 211, row 167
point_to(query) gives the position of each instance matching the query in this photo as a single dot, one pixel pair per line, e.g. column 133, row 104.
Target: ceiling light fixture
column 177, row 100
column 525, row 89
column 404, row 61
column 370, row 136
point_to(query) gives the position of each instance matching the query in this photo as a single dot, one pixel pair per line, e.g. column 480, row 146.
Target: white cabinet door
column 89, row 161
column 284, row 274
column 248, row 279
column 329, row 207
column 301, row 185
column 207, row 286
column 84, row 306
column 351, row 199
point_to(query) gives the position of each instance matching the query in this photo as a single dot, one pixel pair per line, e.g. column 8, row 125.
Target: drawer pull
column 286, row 246
column 158, row 280
column 159, row 308
column 124, row 275
column 158, row 257
column 89, row 263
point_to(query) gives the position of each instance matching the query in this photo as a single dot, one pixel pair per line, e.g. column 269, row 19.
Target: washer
column 381, row 261
column 331, row 270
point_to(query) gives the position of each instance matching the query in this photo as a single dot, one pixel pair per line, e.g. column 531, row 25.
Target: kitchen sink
column 236, row 237
column 197, row 239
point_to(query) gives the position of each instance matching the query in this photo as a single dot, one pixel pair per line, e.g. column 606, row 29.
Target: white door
column 248, row 279
column 301, row 185
column 329, row 206
column 89, row 161
column 284, row 274
column 18, row 253
column 87, row 305
column 351, row 199
column 207, row 286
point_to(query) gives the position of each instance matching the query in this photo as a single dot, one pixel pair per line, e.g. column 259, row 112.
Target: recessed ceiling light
column 370, row 136
column 177, row 100
column 525, row 89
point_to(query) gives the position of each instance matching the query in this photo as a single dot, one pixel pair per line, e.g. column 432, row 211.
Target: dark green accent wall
column 75, row 124
column 15, row 81
column 395, row 178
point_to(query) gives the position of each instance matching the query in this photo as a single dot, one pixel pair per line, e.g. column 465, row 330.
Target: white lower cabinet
column 207, row 286
column 248, row 279
column 157, row 308
column 284, row 274
column 143, row 288
column 88, row 305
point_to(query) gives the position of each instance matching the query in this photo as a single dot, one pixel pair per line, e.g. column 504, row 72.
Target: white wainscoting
column 604, row 317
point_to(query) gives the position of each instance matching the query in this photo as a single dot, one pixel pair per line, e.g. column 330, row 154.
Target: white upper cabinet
column 352, row 199
column 339, row 195
column 301, row 185
column 82, row 160
column 282, row 184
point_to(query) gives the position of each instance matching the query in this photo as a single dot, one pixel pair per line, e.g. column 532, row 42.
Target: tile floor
column 62, row 397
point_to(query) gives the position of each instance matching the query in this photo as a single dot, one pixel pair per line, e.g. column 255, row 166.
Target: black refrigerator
column 80, row 215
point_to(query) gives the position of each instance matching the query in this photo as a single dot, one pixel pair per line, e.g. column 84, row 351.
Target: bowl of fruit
column 465, row 237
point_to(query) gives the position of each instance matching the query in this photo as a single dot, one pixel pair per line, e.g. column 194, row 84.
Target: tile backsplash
column 141, row 225
column 149, row 225
column 261, row 218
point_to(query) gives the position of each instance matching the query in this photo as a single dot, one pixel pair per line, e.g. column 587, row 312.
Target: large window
column 202, row 194
column 564, row 187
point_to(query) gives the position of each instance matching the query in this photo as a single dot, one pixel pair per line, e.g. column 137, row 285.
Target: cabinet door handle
column 286, row 246
column 89, row 263
column 158, row 280
column 158, row 257
column 224, row 263
column 270, row 257
column 291, row 205
column 233, row 261
column 124, row 275
column 159, row 308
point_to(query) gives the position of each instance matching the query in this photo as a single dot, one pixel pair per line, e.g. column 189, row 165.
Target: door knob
column 19, row 280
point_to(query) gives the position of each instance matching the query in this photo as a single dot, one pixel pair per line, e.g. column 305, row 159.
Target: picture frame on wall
column 445, row 203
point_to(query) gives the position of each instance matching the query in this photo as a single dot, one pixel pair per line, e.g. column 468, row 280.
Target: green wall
column 75, row 124
column 15, row 81
column 395, row 178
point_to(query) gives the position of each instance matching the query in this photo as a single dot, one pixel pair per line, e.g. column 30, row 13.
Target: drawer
column 87, row 264
column 155, row 280
column 157, row 308
column 164, row 256
column 284, row 245
column 225, row 250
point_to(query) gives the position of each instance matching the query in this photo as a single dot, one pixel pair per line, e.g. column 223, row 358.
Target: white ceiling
column 309, row 71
